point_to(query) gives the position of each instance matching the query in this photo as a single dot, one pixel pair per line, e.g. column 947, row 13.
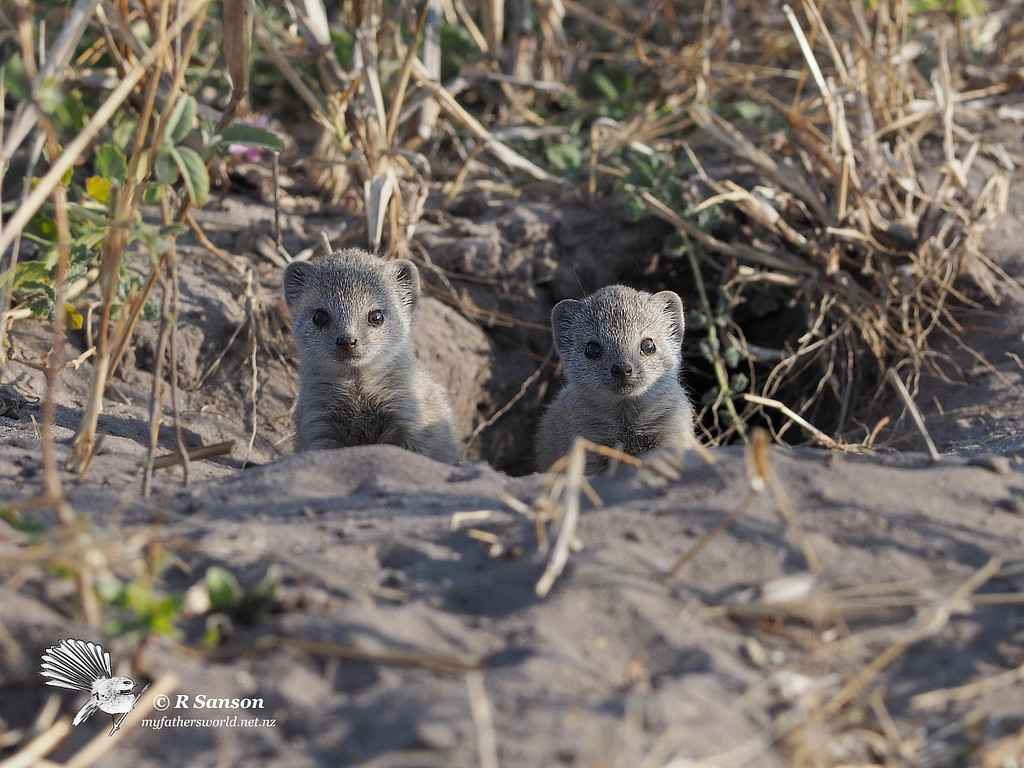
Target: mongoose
column 621, row 352
column 359, row 383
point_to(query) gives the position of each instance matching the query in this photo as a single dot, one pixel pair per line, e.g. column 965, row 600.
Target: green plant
column 142, row 609
column 228, row 602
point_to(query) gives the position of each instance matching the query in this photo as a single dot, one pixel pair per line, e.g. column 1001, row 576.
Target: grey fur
column 359, row 384
column 635, row 412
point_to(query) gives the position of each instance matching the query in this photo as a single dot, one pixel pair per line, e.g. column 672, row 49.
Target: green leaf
column 218, row 628
column 635, row 206
column 41, row 305
column 161, row 615
column 751, row 111
column 223, row 588
column 457, row 45
column 71, row 114
column 110, row 590
column 41, row 230
column 16, row 81
column 21, row 524
column 30, row 273
column 193, row 173
column 138, row 596
column 174, row 228
column 565, row 156
column 111, row 163
column 709, row 349
column 604, row 86
column 180, row 122
column 48, row 96
column 343, row 45
column 250, row 136
column 123, row 135
column 732, row 357
column 152, row 194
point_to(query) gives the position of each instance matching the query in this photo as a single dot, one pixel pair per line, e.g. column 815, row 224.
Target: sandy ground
column 404, row 627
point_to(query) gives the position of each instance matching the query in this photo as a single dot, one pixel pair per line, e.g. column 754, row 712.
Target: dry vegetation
column 836, row 144
column 815, row 161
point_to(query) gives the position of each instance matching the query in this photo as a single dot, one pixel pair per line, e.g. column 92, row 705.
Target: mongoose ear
column 670, row 303
column 408, row 279
column 561, row 323
column 296, row 280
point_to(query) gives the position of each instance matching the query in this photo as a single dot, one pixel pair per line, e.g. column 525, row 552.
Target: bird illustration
column 85, row 666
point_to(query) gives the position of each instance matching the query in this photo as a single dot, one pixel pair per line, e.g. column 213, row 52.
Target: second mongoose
column 359, row 382
column 621, row 352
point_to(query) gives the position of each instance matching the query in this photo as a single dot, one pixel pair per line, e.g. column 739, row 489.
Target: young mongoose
column 621, row 352
column 359, row 383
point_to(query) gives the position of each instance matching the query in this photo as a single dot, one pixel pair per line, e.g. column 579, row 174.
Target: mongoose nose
column 347, row 343
column 622, row 371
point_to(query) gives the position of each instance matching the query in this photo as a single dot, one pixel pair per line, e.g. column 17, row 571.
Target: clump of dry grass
column 835, row 141
column 384, row 106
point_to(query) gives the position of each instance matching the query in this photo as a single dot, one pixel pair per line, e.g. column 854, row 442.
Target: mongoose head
column 619, row 341
column 351, row 310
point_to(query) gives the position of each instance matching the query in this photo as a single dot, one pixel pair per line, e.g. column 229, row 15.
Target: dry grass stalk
column 915, row 412
column 156, row 395
column 51, row 478
column 929, row 623
column 456, row 112
column 762, row 477
column 816, row 433
column 710, row 536
column 570, row 518
column 483, row 719
column 763, row 473
column 194, row 454
column 492, row 20
column 519, row 395
column 254, row 312
column 237, row 19
column 431, row 26
column 944, row 696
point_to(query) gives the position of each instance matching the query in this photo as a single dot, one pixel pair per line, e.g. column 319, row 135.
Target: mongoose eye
column 647, row 347
column 593, row 350
column 321, row 318
column 376, row 317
